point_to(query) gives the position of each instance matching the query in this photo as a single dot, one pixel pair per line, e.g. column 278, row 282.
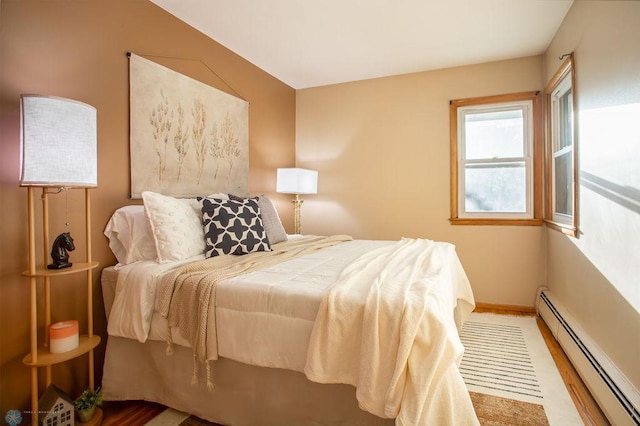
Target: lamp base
column 297, row 203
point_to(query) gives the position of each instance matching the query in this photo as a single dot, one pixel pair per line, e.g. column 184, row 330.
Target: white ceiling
column 308, row 43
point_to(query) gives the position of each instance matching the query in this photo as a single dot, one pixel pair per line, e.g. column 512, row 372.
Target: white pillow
column 130, row 236
column 219, row 196
column 176, row 225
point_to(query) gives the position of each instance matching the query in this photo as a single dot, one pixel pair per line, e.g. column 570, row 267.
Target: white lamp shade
column 58, row 142
column 297, row 181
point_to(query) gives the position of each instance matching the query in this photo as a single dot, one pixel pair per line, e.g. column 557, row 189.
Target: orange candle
column 63, row 336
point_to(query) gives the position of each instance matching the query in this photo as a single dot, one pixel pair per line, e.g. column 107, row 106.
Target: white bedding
column 266, row 318
column 272, row 309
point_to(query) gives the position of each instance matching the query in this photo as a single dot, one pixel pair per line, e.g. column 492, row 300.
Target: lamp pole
column 297, row 203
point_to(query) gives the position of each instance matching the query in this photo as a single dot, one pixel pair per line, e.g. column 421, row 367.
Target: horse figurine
column 61, row 244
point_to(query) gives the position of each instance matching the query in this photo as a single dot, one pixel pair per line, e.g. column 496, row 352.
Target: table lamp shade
column 58, row 142
column 297, row 181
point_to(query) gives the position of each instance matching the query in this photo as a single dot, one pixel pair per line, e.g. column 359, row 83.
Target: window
column 561, row 151
column 496, row 160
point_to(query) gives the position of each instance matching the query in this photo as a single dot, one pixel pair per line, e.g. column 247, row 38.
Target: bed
column 315, row 330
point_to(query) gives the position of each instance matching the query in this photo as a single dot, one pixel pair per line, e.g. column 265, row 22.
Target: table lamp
column 298, row 182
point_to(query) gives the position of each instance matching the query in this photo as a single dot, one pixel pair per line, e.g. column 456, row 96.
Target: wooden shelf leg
column 34, row 396
column 33, row 308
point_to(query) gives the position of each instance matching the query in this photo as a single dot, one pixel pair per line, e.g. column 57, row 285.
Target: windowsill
column 499, row 222
column 569, row 230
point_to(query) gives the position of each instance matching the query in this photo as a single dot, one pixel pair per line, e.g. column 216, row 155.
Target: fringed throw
column 186, row 295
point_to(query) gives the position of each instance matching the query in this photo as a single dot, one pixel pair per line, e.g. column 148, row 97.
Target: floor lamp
column 58, row 151
column 298, row 182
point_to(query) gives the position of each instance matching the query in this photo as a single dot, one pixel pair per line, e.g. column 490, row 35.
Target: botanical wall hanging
column 187, row 138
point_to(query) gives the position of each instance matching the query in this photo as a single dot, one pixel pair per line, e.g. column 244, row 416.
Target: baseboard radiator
column 617, row 397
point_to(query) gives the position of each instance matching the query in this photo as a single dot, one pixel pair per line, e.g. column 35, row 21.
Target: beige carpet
column 509, row 372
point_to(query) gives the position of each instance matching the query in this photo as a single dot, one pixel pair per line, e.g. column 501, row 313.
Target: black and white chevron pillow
column 232, row 227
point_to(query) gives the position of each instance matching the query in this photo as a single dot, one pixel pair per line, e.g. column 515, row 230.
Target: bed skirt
column 243, row 394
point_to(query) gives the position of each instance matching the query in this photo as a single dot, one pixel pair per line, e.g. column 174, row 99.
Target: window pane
column 497, row 134
column 497, row 188
column 565, row 125
column 564, row 183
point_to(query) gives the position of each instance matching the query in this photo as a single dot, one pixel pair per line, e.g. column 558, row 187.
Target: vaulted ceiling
column 308, row 43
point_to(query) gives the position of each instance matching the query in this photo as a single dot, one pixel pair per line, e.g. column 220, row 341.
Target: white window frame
column 561, row 89
column 533, row 154
column 559, row 85
column 528, row 140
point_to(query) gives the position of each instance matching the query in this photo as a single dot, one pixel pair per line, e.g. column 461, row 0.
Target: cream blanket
column 387, row 328
column 186, row 295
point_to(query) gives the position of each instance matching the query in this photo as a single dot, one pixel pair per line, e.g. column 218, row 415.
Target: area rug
column 511, row 375
column 507, row 367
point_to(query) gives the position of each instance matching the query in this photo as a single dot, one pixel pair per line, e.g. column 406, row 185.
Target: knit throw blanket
column 386, row 326
column 186, row 295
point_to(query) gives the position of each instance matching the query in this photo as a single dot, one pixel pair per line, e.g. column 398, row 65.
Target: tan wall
column 76, row 49
column 596, row 275
column 381, row 147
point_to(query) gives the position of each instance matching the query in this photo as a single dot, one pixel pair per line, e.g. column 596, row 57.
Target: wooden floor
column 131, row 413
column 589, row 410
column 136, row 413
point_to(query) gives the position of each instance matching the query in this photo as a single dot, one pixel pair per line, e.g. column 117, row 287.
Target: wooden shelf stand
column 39, row 355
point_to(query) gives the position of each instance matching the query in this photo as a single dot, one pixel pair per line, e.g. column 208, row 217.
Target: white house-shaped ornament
column 56, row 408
